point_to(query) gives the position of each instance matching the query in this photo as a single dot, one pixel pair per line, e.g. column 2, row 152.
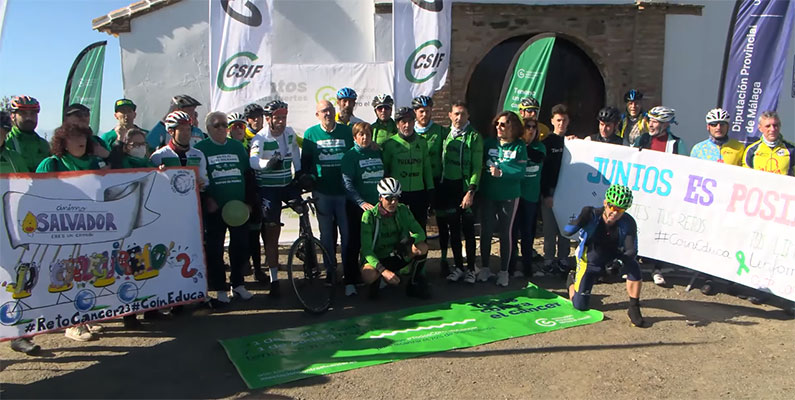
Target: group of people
column 375, row 185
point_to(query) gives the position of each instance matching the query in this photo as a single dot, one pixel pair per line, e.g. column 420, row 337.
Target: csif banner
column 754, row 65
column 529, row 73
column 421, row 42
column 727, row 221
column 84, row 82
column 79, row 247
column 240, row 52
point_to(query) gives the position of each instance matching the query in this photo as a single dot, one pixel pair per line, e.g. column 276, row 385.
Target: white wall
column 694, row 52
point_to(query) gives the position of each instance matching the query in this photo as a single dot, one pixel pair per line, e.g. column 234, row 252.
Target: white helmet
column 662, row 114
column 177, row 118
column 235, row 117
column 389, row 187
column 717, row 115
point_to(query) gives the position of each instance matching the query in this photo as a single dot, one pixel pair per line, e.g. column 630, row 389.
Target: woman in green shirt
column 70, row 151
column 524, row 227
column 131, row 153
column 505, row 158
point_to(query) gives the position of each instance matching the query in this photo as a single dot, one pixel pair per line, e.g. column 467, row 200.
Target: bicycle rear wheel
column 307, row 274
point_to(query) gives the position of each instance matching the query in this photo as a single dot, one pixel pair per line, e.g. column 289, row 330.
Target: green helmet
column 619, row 195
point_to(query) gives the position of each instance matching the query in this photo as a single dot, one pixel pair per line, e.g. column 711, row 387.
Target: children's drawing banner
column 78, row 247
column 731, row 222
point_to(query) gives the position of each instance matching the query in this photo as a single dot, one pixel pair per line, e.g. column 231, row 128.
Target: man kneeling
column 392, row 240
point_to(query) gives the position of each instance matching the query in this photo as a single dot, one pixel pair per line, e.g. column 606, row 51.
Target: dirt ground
column 697, row 346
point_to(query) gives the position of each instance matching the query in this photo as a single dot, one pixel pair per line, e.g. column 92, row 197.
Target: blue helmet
column 633, row 95
column 346, row 93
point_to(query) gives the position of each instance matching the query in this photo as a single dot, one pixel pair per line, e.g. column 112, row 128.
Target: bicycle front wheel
column 308, row 275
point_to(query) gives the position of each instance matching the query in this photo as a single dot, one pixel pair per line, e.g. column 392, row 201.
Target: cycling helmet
column 608, row 114
column 253, row 110
column 389, row 187
column 619, row 195
column 403, row 113
column 21, row 103
column 529, row 103
column 346, row 93
column 421, row 101
column 275, row 106
column 5, row 120
column 717, row 115
column 383, row 100
column 235, row 117
column 183, row 101
column 662, row 114
column 633, row 95
column 177, row 118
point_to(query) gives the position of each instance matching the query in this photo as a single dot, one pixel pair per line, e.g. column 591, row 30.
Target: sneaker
column 94, row 328
column 455, row 275
column 274, row 292
column 563, row 267
column 539, row 273
column 484, row 275
column 548, row 267
column 469, row 276
column 350, row 290
column 658, row 279
column 79, row 333
column 502, row 278
column 518, row 274
column 222, row 296
column 25, row 345
column 707, row 288
column 240, row 291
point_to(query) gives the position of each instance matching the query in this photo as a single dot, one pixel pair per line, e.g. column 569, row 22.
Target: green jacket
column 382, row 131
column 435, row 136
column 134, row 162
column 511, row 159
column 381, row 234
column 462, row 158
column 29, row 145
column 11, row 161
column 408, row 162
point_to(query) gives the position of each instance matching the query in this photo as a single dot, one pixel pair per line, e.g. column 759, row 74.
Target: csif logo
column 237, row 67
column 423, row 62
column 326, row 93
column 432, row 5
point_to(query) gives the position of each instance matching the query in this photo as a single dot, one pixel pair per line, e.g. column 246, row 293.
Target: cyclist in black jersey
column 607, row 235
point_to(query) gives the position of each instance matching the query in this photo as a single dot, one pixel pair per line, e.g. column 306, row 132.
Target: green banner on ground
column 287, row 355
column 529, row 74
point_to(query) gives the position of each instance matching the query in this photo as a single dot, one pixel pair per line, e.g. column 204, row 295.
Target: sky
column 39, row 43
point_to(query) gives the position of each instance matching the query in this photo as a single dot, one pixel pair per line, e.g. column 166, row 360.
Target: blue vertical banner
column 754, row 67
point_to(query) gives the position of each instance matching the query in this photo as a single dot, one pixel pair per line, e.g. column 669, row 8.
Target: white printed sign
column 82, row 246
column 731, row 222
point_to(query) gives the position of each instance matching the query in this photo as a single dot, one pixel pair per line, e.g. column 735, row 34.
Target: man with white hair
column 771, row 153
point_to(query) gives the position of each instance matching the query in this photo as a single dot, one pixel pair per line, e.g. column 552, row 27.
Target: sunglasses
column 383, row 108
column 714, row 123
column 530, row 126
column 500, row 124
column 391, row 198
column 239, row 125
column 613, row 207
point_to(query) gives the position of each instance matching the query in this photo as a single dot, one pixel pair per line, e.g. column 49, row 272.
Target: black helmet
column 633, row 95
column 421, row 101
column 253, row 110
column 528, row 103
column 403, row 113
column 273, row 106
column 183, row 101
column 608, row 114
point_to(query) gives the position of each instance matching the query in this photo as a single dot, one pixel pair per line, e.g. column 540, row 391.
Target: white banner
column 81, row 247
column 731, row 222
column 240, row 52
column 421, row 39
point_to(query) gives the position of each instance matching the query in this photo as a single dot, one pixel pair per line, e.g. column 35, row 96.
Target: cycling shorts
column 586, row 274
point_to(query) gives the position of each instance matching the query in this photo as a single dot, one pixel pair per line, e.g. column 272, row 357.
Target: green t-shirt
column 29, row 145
column 226, row 164
column 462, row 157
column 322, row 154
column 531, row 182
column 135, row 162
column 68, row 162
column 511, row 159
column 11, row 161
column 408, row 162
column 382, row 131
column 434, row 137
column 390, row 231
column 365, row 169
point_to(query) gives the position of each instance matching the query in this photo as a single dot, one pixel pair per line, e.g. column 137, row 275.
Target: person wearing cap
column 659, row 136
column 124, row 112
column 10, row 161
column 528, row 110
column 384, row 127
column 633, row 122
column 719, row 147
column 406, row 159
column 158, row 136
column 227, row 162
column 23, row 138
column 346, row 102
column 80, row 115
